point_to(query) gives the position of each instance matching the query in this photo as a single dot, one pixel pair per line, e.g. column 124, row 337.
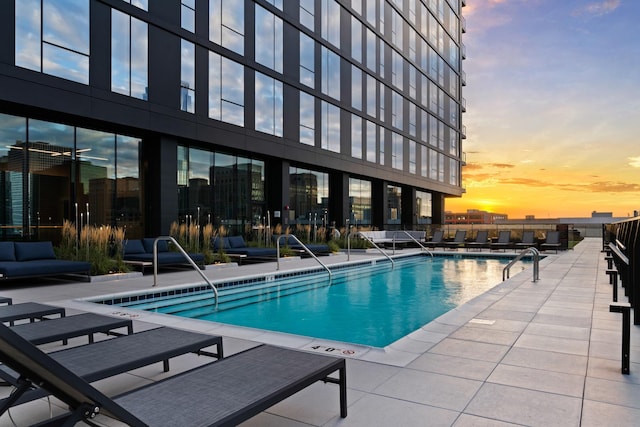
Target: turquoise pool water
column 373, row 305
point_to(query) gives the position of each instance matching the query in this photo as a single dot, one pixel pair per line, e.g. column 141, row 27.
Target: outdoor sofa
column 222, row 393
column 236, row 247
column 140, row 252
column 35, row 259
column 388, row 237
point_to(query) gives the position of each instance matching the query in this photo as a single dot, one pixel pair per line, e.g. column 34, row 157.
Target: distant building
column 474, row 216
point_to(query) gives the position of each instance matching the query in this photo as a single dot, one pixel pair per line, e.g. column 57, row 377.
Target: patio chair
column 528, row 240
column 6, row 300
column 458, row 240
column 63, row 328
column 503, row 242
column 436, row 239
column 225, row 392
column 482, row 241
column 28, row 310
column 552, row 242
column 115, row 356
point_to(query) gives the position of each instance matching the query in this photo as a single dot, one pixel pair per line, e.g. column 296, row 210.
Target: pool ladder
column 422, row 247
column 304, row 247
column 187, row 257
column 536, row 263
column 368, row 239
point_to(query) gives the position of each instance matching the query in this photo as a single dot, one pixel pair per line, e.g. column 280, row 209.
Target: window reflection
column 308, row 196
column 356, row 88
column 307, row 61
column 269, row 42
column 129, row 57
column 394, row 205
column 423, row 207
column 360, row 201
column 330, row 138
column 226, row 24
column 330, row 73
column 188, row 15
column 397, row 149
column 356, row 136
column 307, row 14
column 269, row 101
column 226, row 90
column 307, row 119
column 331, row 22
column 187, row 76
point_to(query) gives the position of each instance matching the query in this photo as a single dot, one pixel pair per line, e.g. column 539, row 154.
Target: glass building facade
column 141, row 113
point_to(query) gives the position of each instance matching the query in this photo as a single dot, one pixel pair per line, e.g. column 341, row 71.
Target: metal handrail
column 303, row 247
column 536, row 263
column 186, row 255
column 368, row 239
column 412, row 238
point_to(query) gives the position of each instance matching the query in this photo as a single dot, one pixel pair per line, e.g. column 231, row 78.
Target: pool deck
column 524, row 353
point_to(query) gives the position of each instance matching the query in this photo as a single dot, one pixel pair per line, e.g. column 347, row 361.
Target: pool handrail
column 536, row 263
column 304, row 247
column 412, row 238
column 187, row 257
column 370, row 240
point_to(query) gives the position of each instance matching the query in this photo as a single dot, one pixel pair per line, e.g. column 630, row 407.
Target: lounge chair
column 503, row 242
column 235, row 245
column 63, row 328
column 225, row 392
column 436, row 239
column 482, row 241
column 114, row 356
column 6, row 301
column 457, row 241
column 552, row 242
column 528, row 240
column 28, row 310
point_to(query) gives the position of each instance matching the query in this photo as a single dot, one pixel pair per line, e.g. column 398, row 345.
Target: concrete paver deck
column 539, row 354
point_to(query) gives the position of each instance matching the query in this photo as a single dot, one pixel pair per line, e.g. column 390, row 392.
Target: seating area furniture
column 28, row 310
column 114, row 356
column 503, row 242
column 528, row 240
column 225, row 392
column 139, row 252
column 36, row 259
column 236, row 247
column 481, row 242
column 315, row 248
column 386, row 237
column 436, row 239
column 457, row 242
column 552, row 241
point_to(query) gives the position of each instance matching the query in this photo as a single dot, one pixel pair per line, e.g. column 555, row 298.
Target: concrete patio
column 540, row 354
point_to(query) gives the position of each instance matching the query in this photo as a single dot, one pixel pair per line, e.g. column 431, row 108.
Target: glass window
column 307, row 14
column 412, row 118
column 397, row 70
column 397, row 107
column 423, row 207
column 424, row 126
column 356, row 5
column 226, row 90
column 453, row 172
column 307, row 119
column 142, row 4
column 397, row 149
column 307, row 61
column 394, row 204
column 226, row 24
column 412, row 156
column 276, row 3
column 381, row 146
column 188, row 15
column 330, row 138
column 382, row 88
column 424, row 166
column 372, row 101
column 269, row 41
column 360, row 204
column 356, row 39
column 330, row 73
column 308, row 196
column 44, row 42
column 412, row 81
column 371, row 12
column 331, row 22
column 356, row 88
column 356, row 136
column 433, row 164
column 187, row 76
column 128, row 205
column 372, row 49
column 13, row 157
column 371, row 142
column 129, row 55
column 397, row 26
column 269, row 102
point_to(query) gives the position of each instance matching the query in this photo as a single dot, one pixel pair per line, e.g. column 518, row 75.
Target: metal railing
column 187, row 257
column 304, row 247
column 412, row 238
column 368, row 239
column 536, row 263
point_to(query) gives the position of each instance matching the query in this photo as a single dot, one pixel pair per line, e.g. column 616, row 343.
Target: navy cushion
column 221, row 241
column 133, row 247
column 148, row 245
column 27, row 251
column 7, row 252
column 237, row 242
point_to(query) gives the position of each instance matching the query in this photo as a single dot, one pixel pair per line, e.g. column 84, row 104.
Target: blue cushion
column 27, row 251
column 237, row 242
column 133, row 247
column 7, row 252
column 148, row 245
column 220, row 241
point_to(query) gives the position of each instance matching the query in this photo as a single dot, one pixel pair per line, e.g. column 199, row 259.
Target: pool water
column 374, row 305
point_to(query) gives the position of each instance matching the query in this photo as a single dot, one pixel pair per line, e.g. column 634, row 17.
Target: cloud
column 634, row 162
column 597, row 8
column 502, row 165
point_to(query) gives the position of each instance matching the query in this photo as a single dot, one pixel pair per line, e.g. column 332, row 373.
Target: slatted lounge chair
column 223, row 393
column 436, row 239
column 115, row 356
column 504, row 241
column 528, row 240
column 458, row 240
column 63, row 328
column 6, row 301
column 552, row 241
column 482, row 241
column 28, row 310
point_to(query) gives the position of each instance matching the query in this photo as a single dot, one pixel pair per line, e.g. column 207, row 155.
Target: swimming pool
column 371, row 304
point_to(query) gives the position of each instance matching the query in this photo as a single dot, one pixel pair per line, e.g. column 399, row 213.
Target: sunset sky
column 553, row 108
